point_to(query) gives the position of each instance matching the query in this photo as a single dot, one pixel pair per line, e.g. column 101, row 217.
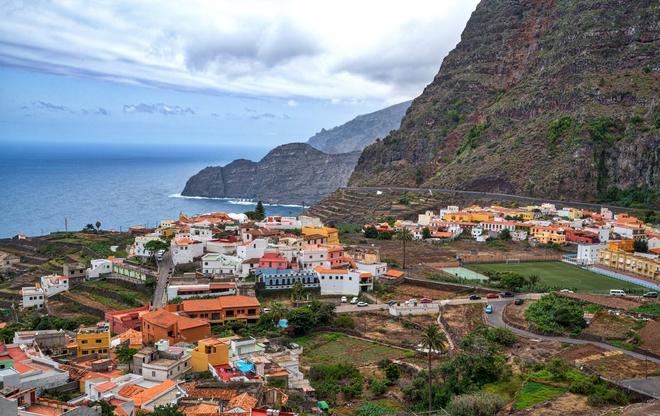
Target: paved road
column 165, row 267
column 495, row 319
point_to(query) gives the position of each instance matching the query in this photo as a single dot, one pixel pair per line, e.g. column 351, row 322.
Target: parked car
column 411, row 301
column 650, row 295
column 506, row 294
column 354, row 300
column 362, row 304
column 475, row 297
column 492, row 296
column 519, row 301
column 566, row 291
column 344, row 299
column 266, row 310
column 488, row 309
column 425, row 300
column 617, row 292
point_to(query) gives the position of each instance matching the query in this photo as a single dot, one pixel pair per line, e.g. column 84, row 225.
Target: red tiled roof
column 103, row 387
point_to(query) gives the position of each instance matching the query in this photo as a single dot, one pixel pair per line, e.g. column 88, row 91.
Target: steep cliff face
column 289, row 174
column 550, row 98
column 360, row 132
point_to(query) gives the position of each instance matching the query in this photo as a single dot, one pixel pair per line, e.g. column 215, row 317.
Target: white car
column 362, row 304
column 266, row 310
column 411, row 301
column 344, row 299
column 354, row 300
column 566, row 291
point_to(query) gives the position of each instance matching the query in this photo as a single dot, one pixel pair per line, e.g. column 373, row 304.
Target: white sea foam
column 234, row 201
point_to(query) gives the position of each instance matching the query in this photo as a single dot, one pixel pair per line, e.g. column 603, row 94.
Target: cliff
column 289, row 174
column 549, row 98
column 360, row 132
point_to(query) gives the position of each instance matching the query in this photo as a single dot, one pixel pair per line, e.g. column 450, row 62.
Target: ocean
column 41, row 186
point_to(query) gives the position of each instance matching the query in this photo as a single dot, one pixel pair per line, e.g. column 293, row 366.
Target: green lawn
column 336, row 348
column 558, row 275
column 533, row 393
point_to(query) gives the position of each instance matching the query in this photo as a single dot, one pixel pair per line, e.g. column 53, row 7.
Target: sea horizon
column 119, row 185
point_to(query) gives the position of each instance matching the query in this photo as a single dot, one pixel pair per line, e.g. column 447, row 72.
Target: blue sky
column 253, row 73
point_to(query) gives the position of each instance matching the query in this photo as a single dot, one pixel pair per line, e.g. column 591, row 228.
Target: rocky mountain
column 360, row 132
column 298, row 172
column 549, row 98
column 289, row 174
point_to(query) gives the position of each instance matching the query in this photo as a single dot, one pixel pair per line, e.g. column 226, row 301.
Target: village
column 250, row 314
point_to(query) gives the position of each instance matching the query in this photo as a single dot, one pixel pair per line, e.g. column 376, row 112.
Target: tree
column 641, row 246
column 298, row 290
column 277, row 311
column 370, row 232
column 404, row 235
column 106, row 408
column 512, row 281
column 426, row 233
column 155, row 246
column 260, row 210
column 505, row 234
column 433, row 340
column 125, row 354
column 98, row 225
column 302, row 320
column 166, row 410
column 88, row 227
column 533, row 280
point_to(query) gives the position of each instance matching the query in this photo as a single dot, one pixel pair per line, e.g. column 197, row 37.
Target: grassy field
column 558, row 275
column 335, row 348
column 533, row 393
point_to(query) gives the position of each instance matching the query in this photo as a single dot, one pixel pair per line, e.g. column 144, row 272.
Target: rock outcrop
column 289, row 174
column 360, row 132
column 548, row 98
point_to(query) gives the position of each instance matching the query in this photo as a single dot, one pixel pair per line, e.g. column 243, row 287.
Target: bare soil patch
column 566, row 404
column 614, row 365
column 516, row 314
column 650, row 335
column 611, row 302
column 610, row 326
column 461, row 319
column 578, row 352
column 530, row 350
column 379, row 326
column 405, row 291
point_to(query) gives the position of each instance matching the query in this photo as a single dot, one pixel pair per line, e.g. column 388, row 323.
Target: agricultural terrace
column 558, row 275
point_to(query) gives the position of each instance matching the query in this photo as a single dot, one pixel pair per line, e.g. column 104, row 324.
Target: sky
column 254, row 73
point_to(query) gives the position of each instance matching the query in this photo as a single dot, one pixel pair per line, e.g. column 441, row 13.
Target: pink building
column 123, row 320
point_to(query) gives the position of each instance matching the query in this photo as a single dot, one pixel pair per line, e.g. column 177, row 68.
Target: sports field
column 464, row 273
column 558, row 275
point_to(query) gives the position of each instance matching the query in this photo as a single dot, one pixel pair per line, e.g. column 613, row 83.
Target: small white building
column 217, row 263
column 185, row 250
column 519, row 235
column 653, row 242
column 252, row 249
column 376, row 269
column 425, row 218
column 201, row 289
column 99, row 268
column 54, row 284
column 279, row 223
column 340, row 282
column 139, row 243
column 587, row 254
column 33, row 297
column 202, row 231
column 221, row 246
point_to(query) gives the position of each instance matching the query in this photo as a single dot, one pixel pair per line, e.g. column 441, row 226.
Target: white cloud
column 292, row 103
column 339, row 50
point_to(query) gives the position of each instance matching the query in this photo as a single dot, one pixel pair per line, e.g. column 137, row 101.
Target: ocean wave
column 235, row 201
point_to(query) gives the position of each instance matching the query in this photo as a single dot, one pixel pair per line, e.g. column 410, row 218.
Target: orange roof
column 134, row 337
column 22, row 368
column 130, row 390
column 222, row 302
column 394, row 273
column 185, row 241
column 103, row 387
column 153, row 392
column 243, row 401
column 201, row 409
column 207, row 393
column 160, row 317
column 323, row 270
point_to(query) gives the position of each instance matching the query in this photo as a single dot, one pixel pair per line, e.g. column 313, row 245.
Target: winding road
column 165, row 268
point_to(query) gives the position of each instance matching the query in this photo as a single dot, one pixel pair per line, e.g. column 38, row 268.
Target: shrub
column 330, row 380
column 392, row 373
column 373, row 409
column 377, row 386
column 604, row 395
column 556, row 314
column 477, row 404
column 344, row 321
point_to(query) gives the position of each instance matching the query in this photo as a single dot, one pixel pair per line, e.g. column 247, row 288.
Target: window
column 153, row 374
column 84, row 341
column 98, row 341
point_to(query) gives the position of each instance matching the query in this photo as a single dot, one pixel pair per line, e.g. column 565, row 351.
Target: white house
column 653, row 242
column 99, row 267
column 185, row 250
column 498, row 225
column 221, row 246
column 376, row 269
column 139, row 243
column 587, row 254
column 476, row 232
column 252, row 249
column 279, row 223
column 340, row 282
column 314, row 255
column 201, row 289
column 202, row 231
column 32, row 297
column 217, row 263
column 519, row 235
column 54, row 284
column 425, row 218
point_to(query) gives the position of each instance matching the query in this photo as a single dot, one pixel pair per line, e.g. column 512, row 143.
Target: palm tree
column 433, row 340
column 404, row 235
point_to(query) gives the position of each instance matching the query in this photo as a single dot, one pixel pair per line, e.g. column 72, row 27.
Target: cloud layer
column 336, row 50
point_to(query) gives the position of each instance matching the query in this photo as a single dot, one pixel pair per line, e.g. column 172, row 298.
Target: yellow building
column 93, row 340
column 209, row 351
column 547, row 235
column 643, row 264
column 463, row 216
column 623, row 245
column 330, row 233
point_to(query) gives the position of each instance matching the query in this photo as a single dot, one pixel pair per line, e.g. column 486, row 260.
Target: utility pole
column 66, row 226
